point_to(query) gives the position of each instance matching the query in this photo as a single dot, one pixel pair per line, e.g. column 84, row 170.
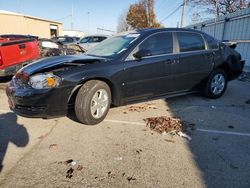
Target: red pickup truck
column 16, row 53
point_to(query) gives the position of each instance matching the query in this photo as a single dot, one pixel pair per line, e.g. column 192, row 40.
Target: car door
column 149, row 76
column 195, row 60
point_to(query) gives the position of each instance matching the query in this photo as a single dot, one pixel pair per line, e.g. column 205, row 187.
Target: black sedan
column 127, row 68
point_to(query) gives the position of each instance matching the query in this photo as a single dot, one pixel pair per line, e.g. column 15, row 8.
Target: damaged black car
column 126, row 68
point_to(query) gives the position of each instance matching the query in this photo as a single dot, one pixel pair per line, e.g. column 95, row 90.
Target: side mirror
column 142, row 53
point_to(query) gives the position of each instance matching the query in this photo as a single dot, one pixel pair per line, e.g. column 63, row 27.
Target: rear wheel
column 216, row 84
column 92, row 102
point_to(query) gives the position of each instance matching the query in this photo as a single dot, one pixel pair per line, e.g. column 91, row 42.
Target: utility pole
column 216, row 16
column 72, row 12
column 183, row 12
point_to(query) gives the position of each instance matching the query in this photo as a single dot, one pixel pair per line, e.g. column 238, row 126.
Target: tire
column 216, row 84
column 92, row 102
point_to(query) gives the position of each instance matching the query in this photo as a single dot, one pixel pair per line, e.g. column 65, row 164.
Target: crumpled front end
column 43, row 103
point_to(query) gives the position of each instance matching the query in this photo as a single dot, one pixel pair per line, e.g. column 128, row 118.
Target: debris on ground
column 184, row 135
column 168, row 125
column 230, row 126
column 79, row 167
column 139, row 151
column 213, row 107
column 70, row 173
column 244, row 77
column 68, row 161
column 131, row 178
column 139, row 108
column 111, row 175
column 72, row 167
column 53, row 146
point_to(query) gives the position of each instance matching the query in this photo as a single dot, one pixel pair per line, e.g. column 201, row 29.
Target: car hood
column 53, row 62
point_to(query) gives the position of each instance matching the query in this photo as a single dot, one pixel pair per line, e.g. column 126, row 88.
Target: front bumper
column 44, row 103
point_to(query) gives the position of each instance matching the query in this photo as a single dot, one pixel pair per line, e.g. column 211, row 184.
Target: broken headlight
column 44, row 81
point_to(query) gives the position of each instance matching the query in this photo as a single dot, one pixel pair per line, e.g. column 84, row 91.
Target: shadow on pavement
column 5, row 79
column 223, row 160
column 11, row 132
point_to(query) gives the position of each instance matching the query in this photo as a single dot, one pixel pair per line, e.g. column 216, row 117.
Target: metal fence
column 232, row 27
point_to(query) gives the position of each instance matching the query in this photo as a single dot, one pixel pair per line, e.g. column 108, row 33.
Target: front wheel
column 92, row 102
column 216, row 84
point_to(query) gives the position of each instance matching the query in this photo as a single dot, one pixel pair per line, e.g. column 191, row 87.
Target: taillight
column 1, row 60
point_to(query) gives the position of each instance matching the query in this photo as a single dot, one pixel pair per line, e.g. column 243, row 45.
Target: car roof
column 155, row 30
column 149, row 31
column 96, row 36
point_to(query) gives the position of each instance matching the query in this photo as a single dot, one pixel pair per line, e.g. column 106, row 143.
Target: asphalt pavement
column 123, row 152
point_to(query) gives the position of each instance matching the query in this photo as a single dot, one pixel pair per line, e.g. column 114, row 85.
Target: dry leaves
column 139, row 108
column 164, row 125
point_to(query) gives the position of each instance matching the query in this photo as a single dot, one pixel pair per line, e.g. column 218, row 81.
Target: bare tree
column 122, row 22
column 218, row 7
column 141, row 15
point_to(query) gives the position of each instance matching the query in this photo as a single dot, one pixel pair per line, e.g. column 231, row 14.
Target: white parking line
column 124, row 122
column 200, row 130
column 224, row 132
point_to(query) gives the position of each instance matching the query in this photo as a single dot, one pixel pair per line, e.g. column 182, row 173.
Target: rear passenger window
column 190, row 42
column 158, row 44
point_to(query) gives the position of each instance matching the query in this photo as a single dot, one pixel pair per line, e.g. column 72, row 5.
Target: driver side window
column 158, row 44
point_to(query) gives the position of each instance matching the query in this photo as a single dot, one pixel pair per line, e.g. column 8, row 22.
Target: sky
column 88, row 15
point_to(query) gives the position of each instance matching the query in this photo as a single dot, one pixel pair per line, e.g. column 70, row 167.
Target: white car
column 90, row 41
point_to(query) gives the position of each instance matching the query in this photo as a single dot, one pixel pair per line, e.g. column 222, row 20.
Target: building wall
column 13, row 24
column 233, row 27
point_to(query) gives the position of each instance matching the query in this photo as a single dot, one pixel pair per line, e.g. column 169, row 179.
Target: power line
column 172, row 13
column 102, row 29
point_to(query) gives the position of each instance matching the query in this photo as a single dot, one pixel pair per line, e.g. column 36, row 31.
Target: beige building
column 15, row 23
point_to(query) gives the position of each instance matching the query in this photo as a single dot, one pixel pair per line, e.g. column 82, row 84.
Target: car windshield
column 111, row 47
column 85, row 40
